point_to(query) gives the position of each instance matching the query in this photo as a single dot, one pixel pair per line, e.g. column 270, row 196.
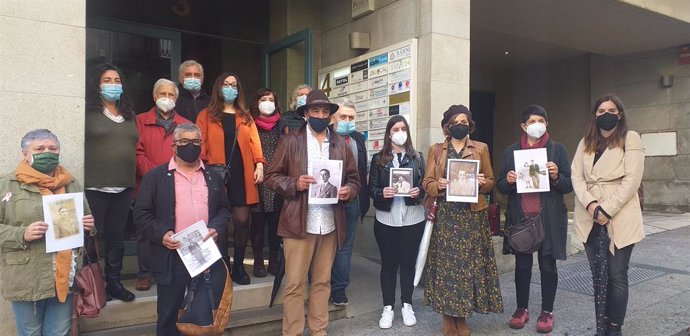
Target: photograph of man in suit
column 325, row 189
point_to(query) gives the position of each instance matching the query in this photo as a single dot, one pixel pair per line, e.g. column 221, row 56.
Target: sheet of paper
column 196, row 254
column 329, row 176
column 64, row 214
column 530, row 167
column 462, row 181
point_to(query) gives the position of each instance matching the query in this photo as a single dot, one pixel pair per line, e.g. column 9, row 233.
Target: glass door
column 288, row 63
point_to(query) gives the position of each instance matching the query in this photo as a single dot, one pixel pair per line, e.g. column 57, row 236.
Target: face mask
column 459, row 131
column 192, row 84
column 399, row 138
column 229, row 94
column 301, row 100
column 267, row 107
column 318, row 124
column 345, row 127
column 45, row 162
column 189, row 153
column 111, row 92
column 165, row 104
column 536, row 130
column 607, row 121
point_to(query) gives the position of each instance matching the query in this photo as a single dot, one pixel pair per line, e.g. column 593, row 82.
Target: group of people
column 209, row 157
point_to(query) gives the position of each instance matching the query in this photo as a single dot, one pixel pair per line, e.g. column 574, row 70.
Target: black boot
column 614, row 330
column 113, row 267
column 273, row 262
column 239, row 274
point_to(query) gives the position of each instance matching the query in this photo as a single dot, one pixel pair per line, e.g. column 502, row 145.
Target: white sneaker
column 408, row 315
column 387, row 316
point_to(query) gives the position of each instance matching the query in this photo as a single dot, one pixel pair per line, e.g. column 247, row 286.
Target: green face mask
column 45, row 162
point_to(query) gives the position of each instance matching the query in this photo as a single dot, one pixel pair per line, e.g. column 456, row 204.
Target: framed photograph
column 64, row 213
column 402, row 181
column 462, row 181
column 329, row 176
column 197, row 255
column 530, row 167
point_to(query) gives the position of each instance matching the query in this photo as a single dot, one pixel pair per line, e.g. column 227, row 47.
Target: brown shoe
column 143, row 284
column 449, row 328
column 461, row 325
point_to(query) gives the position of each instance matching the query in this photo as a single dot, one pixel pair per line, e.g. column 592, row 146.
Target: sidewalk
column 659, row 302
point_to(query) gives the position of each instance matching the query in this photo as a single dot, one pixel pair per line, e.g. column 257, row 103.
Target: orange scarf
column 49, row 185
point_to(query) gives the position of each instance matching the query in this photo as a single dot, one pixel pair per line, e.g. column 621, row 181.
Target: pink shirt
column 191, row 197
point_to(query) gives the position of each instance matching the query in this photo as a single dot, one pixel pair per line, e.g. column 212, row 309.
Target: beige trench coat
column 613, row 182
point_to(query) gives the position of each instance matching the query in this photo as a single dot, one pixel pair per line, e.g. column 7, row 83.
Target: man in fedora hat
column 311, row 232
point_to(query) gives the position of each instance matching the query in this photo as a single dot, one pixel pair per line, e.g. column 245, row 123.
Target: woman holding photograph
column 38, row 284
column 461, row 267
column 550, row 206
column 607, row 171
column 399, row 222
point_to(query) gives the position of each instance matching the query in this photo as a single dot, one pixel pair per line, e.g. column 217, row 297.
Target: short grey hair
column 347, row 102
column 187, row 64
column 187, row 127
column 38, row 134
column 293, row 97
column 163, row 81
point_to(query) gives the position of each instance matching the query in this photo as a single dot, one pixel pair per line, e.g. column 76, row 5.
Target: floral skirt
column 461, row 267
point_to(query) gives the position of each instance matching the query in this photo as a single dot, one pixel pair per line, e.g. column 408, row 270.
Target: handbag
column 494, row 216
column 89, row 297
column 206, row 307
column 224, row 169
column 527, row 235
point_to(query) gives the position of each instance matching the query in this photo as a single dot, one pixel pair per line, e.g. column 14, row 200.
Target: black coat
column 379, row 178
column 554, row 213
column 362, row 169
column 154, row 214
column 189, row 107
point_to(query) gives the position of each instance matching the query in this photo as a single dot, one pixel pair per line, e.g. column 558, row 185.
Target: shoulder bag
column 207, row 305
column 89, row 297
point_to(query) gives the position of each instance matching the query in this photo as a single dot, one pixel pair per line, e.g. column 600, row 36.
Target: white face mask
column 399, row 138
column 536, row 130
column 267, row 107
column 165, row 104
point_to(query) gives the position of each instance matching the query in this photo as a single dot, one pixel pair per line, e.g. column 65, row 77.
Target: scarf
column 167, row 124
column 49, row 185
column 531, row 202
column 267, row 123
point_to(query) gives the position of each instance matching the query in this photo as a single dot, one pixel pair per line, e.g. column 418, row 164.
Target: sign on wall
column 381, row 84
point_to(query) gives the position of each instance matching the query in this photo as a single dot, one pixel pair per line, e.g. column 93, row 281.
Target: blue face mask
column 192, row 84
column 111, row 92
column 301, row 100
column 345, row 127
column 229, row 94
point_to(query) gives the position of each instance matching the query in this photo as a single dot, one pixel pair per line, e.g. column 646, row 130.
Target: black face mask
column 318, row 124
column 189, row 153
column 607, row 121
column 459, row 131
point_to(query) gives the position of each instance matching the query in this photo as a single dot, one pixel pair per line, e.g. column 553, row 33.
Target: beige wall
column 41, row 84
column 651, row 108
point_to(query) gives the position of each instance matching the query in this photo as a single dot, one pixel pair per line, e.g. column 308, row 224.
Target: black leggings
column 398, row 247
column 523, row 277
column 258, row 227
column 110, row 211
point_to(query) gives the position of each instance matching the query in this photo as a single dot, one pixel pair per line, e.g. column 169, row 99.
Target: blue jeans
column 340, row 273
column 47, row 317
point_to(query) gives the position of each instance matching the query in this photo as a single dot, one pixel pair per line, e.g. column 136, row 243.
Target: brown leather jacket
column 289, row 162
column 436, row 168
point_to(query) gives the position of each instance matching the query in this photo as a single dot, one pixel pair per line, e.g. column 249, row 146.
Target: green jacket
column 26, row 270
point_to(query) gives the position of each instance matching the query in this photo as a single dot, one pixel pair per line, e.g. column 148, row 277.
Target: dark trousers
column 523, row 277
column 398, row 247
column 171, row 297
column 617, row 289
column 110, row 213
column 259, row 222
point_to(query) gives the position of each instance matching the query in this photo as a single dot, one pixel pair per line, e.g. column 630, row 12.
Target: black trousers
column 523, row 277
column 171, row 297
column 110, row 213
column 617, row 289
column 398, row 247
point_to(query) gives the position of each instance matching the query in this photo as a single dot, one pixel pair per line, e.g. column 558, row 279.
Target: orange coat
column 248, row 143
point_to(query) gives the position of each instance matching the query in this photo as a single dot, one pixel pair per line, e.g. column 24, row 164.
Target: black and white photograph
column 328, row 175
column 196, row 254
column 401, row 181
column 63, row 213
column 462, row 181
column 532, row 174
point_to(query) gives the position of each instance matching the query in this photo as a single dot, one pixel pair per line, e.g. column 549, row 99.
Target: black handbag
column 206, row 307
column 527, row 235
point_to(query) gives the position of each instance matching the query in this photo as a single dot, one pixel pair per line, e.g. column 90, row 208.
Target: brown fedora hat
column 317, row 97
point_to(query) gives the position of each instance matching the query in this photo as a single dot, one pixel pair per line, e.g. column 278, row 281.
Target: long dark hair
column 594, row 141
column 217, row 104
column 254, row 107
column 94, row 102
column 387, row 149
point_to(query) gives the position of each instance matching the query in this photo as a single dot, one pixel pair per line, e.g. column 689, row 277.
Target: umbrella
column 279, row 275
column 600, row 277
column 424, row 244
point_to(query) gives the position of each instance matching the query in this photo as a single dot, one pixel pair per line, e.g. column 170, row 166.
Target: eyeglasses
column 185, row 142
